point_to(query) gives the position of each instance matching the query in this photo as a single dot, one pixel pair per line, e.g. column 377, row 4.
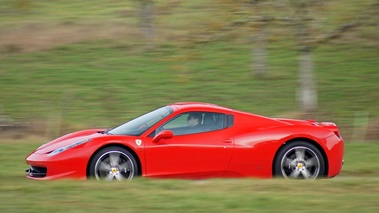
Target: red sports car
column 194, row 140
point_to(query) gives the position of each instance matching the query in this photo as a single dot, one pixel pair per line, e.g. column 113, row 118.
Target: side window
column 213, row 121
column 197, row 122
column 229, row 121
column 177, row 122
column 186, row 123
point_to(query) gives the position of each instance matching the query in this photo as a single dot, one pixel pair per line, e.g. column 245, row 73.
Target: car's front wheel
column 299, row 160
column 113, row 163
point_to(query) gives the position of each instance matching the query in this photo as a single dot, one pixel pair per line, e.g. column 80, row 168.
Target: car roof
column 184, row 106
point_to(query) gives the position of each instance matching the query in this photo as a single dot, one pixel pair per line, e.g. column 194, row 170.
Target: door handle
column 227, row 140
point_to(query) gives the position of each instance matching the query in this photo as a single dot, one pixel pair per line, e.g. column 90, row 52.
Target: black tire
column 299, row 160
column 113, row 163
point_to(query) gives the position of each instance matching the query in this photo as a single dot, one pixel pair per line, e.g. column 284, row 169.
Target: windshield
column 140, row 124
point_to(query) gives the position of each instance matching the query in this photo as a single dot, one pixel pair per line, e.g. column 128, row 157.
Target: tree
column 249, row 13
column 306, row 91
column 259, row 54
column 377, row 17
column 303, row 17
column 147, row 19
column 306, row 15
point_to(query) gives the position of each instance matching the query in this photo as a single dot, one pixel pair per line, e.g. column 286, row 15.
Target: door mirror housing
column 165, row 134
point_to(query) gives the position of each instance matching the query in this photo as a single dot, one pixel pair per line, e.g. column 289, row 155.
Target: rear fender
column 331, row 126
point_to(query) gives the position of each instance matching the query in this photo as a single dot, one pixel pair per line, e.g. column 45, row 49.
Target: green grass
column 83, row 80
column 104, row 83
column 70, row 10
column 354, row 190
column 247, row 195
column 360, row 160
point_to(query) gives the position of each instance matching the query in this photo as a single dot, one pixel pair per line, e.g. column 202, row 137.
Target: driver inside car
column 194, row 122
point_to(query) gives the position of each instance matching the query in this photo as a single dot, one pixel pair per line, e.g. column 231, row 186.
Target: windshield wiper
column 106, row 132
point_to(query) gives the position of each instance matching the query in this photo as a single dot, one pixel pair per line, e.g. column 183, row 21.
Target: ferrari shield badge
column 138, row 142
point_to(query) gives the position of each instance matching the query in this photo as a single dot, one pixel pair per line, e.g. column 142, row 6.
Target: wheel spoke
column 300, row 153
column 311, row 162
column 109, row 177
column 114, row 158
column 124, row 167
column 120, row 177
column 104, row 167
column 295, row 173
column 306, row 174
column 288, row 162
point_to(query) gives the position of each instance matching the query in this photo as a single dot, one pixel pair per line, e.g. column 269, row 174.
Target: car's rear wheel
column 299, row 160
column 113, row 163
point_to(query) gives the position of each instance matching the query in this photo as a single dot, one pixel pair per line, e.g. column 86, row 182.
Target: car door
column 190, row 155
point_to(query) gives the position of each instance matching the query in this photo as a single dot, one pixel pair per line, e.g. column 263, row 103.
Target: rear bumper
column 335, row 147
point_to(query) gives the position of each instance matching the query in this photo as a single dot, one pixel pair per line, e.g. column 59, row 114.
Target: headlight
column 62, row 149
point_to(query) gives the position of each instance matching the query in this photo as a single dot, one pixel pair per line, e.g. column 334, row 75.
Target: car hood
column 70, row 139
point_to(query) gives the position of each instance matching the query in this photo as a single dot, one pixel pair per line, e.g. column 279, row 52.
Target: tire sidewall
column 277, row 167
column 94, row 159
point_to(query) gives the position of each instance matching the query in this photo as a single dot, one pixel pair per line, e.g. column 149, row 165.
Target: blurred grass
column 104, row 83
column 245, row 195
column 100, row 81
column 16, row 11
column 355, row 190
column 80, row 63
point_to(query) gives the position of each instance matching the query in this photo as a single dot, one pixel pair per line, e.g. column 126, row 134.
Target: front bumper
column 36, row 172
column 43, row 167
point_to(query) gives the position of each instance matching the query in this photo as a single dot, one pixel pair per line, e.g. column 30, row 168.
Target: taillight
column 337, row 133
column 332, row 127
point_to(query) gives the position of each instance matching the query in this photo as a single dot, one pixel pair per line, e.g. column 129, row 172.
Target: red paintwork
column 247, row 149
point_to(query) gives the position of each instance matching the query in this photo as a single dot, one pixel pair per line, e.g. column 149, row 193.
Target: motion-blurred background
column 68, row 64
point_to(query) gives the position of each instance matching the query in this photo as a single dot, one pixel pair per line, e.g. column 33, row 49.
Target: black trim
column 37, row 172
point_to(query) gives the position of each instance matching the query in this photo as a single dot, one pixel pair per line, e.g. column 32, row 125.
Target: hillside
column 63, row 68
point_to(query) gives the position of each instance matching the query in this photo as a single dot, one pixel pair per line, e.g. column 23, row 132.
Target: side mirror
column 165, row 134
